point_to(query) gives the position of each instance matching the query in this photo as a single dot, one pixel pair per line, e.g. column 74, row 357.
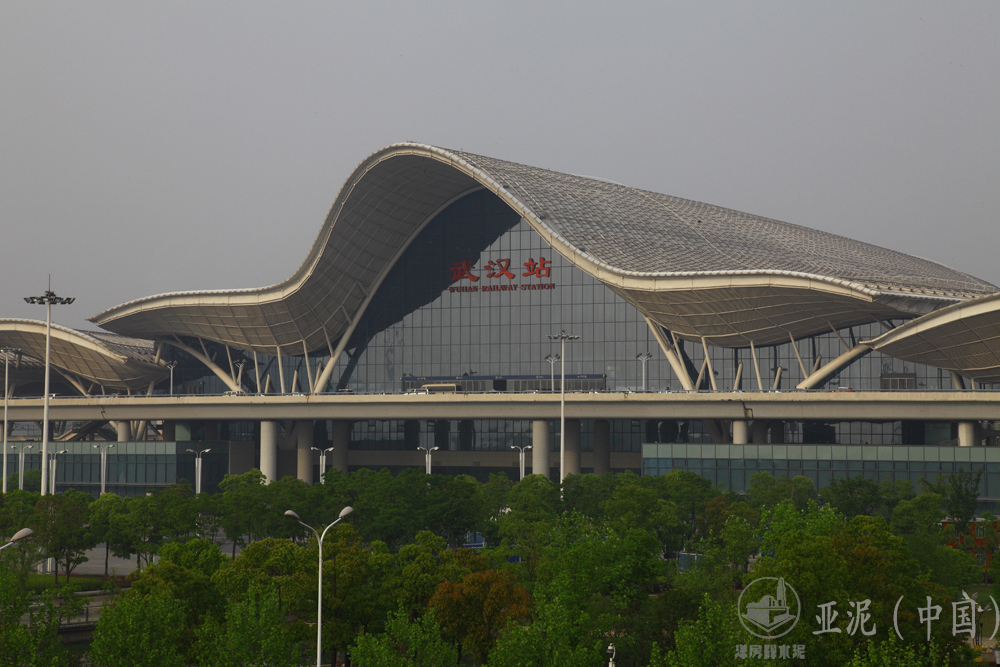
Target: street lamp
column 7, row 351
column 171, row 365
column 104, row 464
column 552, row 359
column 644, row 357
column 322, row 461
column 562, row 337
column 49, row 299
column 521, row 450
column 427, row 457
column 197, row 468
column 52, row 473
column 20, row 466
column 319, row 596
column 19, row 535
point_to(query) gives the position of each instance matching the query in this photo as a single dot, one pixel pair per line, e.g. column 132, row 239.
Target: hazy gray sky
column 155, row 147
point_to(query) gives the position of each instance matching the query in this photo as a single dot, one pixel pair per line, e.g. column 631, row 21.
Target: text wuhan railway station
column 420, row 328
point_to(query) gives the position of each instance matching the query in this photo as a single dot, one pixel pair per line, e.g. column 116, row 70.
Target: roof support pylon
column 203, row 358
column 824, row 373
column 668, row 351
column 708, row 360
column 756, row 367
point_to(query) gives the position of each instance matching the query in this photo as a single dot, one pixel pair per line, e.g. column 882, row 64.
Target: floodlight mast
column 7, row 351
column 48, row 299
column 562, row 337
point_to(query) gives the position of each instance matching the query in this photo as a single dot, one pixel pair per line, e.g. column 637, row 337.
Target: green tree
column 104, row 529
column 23, row 645
column 766, row 491
column 853, row 496
column 891, row 653
column 198, row 555
column 709, row 640
column 61, row 528
column 271, row 562
column 244, row 507
column 17, row 509
column 139, row 631
column 491, row 503
column 255, row 633
column 405, row 643
column 960, row 491
column 534, row 507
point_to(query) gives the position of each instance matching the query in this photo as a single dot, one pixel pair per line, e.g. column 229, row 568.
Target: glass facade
column 473, row 300
column 732, row 465
column 133, row 467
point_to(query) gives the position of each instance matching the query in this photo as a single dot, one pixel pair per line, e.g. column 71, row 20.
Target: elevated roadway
column 793, row 406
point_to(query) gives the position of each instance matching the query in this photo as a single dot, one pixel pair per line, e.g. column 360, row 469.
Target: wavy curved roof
column 106, row 359
column 698, row 270
column 964, row 338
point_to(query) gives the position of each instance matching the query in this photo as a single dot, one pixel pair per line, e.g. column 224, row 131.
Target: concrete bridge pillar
column 967, row 434
column 339, row 441
column 740, row 432
column 572, row 447
column 168, row 430
column 540, row 447
column 602, row 446
column 303, row 451
column 269, row 450
column 124, row 429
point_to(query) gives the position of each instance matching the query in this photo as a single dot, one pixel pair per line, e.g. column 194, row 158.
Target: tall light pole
column 552, row 359
column 171, row 365
column 521, row 450
column 7, row 351
column 562, row 337
column 20, row 466
column 322, row 461
column 19, row 535
column 644, row 357
column 49, row 299
column 104, row 465
column 197, row 468
column 319, row 596
column 427, row 457
column 52, row 473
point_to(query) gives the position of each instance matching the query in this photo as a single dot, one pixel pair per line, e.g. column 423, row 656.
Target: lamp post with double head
column 322, row 461
column 7, row 352
column 552, row 359
column 427, row 457
column 562, row 337
column 52, row 472
column 171, row 365
column 49, row 299
column 521, row 451
column 104, row 465
column 319, row 595
column 644, row 357
column 20, row 465
column 197, row 468
column 19, row 535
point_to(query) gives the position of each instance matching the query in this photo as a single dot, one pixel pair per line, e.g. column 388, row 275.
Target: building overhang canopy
column 105, row 359
column 696, row 269
column 964, row 338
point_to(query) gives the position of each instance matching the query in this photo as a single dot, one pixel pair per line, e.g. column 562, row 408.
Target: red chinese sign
column 500, row 268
